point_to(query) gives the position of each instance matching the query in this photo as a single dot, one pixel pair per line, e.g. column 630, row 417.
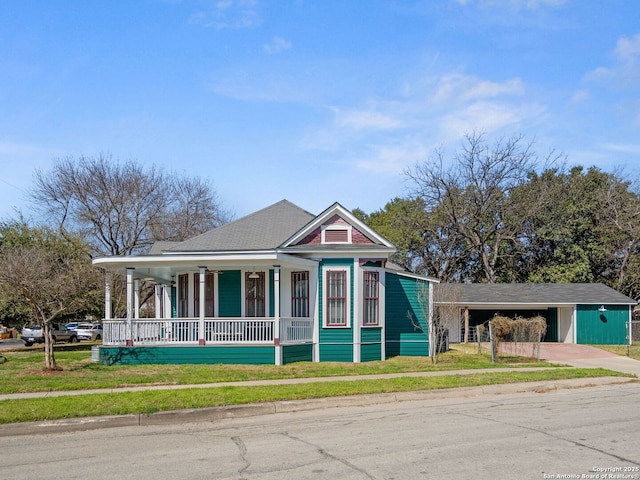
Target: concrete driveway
column 582, row 356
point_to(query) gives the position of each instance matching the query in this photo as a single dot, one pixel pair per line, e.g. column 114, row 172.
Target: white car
column 89, row 331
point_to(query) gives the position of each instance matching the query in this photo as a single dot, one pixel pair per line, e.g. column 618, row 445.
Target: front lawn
column 23, row 371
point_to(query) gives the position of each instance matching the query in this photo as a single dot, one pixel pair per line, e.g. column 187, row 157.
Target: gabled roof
column 477, row 294
column 337, row 209
column 253, row 232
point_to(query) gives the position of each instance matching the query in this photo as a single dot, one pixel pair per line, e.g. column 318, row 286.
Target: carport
column 579, row 313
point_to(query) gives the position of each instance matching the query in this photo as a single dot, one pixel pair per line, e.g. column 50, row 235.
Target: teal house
column 280, row 285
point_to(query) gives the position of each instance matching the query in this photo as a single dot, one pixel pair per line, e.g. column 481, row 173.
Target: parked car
column 33, row 334
column 89, row 331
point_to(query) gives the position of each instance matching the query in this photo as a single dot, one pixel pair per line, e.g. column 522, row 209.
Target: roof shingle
column 265, row 229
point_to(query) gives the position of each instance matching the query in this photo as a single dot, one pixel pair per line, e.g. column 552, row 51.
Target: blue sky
column 312, row 101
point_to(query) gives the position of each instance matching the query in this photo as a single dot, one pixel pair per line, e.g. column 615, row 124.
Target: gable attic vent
column 336, row 235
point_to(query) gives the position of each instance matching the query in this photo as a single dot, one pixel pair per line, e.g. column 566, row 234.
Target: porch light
column 253, row 274
column 602, row 308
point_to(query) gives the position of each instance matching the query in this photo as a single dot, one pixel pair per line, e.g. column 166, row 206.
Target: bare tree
column 51, row 284
column 440, row 315
column 472, row 200
column 122, row 207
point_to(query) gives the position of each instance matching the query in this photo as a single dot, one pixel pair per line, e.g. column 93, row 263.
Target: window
column 208, row 294
column 300, row 294
column 183, row 295
column 371, row 298
column 255, row 298
column 336, row 296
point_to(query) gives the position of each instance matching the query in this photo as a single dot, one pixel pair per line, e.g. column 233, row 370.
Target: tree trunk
column 49, row 357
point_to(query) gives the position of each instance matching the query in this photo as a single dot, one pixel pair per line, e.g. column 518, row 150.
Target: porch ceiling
column 160, row 268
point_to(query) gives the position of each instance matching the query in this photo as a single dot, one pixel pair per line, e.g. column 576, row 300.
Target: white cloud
column 233, row 14
column 627, row 148
column 394, row 159
column 628, row 48
column 456, row 87
column 488, row 117
column 625, row 72
column 277, row 45
column 366, row 119
column 580, row 96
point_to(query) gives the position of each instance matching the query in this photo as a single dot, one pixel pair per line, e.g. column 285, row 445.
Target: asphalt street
column 567, row 433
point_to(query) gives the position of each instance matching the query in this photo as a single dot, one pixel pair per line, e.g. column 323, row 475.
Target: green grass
column 147, row 402
column 23, row 372
column 631, row 351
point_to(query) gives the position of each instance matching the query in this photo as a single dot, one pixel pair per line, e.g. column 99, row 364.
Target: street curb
column 213, row 414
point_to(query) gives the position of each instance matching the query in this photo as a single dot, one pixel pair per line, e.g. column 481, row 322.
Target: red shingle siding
column 315, row 237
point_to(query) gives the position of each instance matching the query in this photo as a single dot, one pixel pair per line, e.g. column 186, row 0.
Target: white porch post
column 107, row 296
column 201, row 302
column 357, row 325
column 166, row 303
column 129, row 328
column 136, row 298
column 157, row 292
column 276, row 314
column 314, row 292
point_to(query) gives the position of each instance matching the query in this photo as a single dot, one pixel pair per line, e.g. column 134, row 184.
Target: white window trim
column 346, row 228
column 380, row 290
column 347, row 271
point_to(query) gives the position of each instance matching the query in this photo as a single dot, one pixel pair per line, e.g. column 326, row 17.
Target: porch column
column 107, row 296
column 466, row 324
column 355, row 321
column 276, row 314
column 136, row 298
column 157, row 305
column 129, row 327
column 201, row 302
column 166, row 301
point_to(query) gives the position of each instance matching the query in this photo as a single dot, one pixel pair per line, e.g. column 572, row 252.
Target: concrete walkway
column 581, row 356
column 286, row 381
column 586, row 357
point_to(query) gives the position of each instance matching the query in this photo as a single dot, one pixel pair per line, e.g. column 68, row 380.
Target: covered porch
column 218, row 310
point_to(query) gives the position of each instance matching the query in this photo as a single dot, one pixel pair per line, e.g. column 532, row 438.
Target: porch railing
column 186, row 331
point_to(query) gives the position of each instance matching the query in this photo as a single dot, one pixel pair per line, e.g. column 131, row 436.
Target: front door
column 255, row 294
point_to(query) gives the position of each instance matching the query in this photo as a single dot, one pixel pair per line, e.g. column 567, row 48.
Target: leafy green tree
column 590, row 232
column 46, row 278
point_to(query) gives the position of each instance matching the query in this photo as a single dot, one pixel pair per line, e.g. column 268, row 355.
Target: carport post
column 466, row 324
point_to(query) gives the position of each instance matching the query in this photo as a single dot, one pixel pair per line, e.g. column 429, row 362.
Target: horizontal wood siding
column 336, row 344
column 371, row 344
column 371, row 335
column 297, row 353
column 336, row 353
column 230, row 293
column 173, row 355
column 401, row 306
column 602, row 328
column 370, row 352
